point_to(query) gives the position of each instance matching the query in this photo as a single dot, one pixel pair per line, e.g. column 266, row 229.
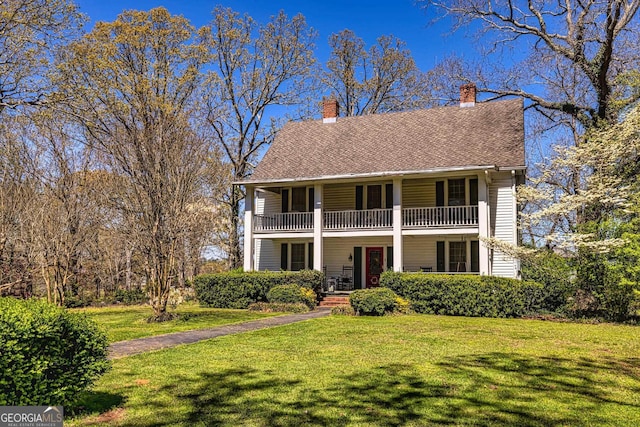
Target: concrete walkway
column 142, row 345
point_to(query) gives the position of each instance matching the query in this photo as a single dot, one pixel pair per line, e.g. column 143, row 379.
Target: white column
column 483, row 223
column 397, row 224
column 317, row 227
column 248, row 228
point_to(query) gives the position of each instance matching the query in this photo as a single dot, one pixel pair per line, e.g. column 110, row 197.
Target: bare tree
column 134, row 83
column 383, row 79
column 19, row 198
column 574, row 65
column 574, row 53
column 30, row 33
column 255, row 68
column 67, row 220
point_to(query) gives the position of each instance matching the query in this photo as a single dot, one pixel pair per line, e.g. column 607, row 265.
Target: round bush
column 48, row 354
column 292, row 294
column 373, row 302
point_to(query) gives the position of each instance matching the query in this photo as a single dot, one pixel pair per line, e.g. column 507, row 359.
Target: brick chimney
column 330, row 110
column 468, row 95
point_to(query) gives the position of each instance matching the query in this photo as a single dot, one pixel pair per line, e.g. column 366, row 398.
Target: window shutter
column 310, row 202
column 473, row 191
column 359, row 203
column 310, row 257
column 440, row 256
column 284, row 256
column 475, row 256
column 389, row 196
column 357, row 267
column 439, row 193
column 389, row 257
column 285, row 200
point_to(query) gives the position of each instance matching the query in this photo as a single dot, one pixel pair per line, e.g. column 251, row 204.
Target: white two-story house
column 409, row 191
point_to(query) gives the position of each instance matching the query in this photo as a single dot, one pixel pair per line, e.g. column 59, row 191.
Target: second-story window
column 374, row 196
column 299, row 199
column 457, row 192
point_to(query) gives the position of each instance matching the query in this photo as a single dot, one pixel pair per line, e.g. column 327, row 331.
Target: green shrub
column 343, row 310
column 238, row 289
column 292, row 293
column 373, row 302
column 616, row 299
column 555, row 273
column 403, row 306
column 466, row 295
column 48, row 354
column 278, row 307
column 130, row 297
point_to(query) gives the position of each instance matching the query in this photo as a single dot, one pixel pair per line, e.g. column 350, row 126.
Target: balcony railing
column 446, row 216
column 358, row 220
column 292, row 221
column 442, row 217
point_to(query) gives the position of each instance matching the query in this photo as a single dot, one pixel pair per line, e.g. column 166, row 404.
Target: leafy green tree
column 30, row 33
column 255, row 68
column 382, row 79
column 135, row 83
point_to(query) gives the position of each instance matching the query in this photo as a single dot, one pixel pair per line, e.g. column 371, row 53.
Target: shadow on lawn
column 96, row 402
column 494, row 389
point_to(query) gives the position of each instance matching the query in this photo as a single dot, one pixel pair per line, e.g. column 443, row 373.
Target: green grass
column 391, row 371
column 129, row 322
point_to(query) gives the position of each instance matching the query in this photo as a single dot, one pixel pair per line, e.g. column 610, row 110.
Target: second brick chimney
column 468, row 95
column 330, row 110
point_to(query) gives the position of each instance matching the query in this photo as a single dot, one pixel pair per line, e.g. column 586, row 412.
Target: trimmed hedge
column 238, row 289
column 292, row 294
column 48, row 355
column 278, row 307
column 373, row 302
column 466, row 295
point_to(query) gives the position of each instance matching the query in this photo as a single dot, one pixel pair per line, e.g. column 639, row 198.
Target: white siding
column 268, row 203
column 418, row 193
column 339, row 197
column 503, row 223
column 419, row 251
column 267, row 255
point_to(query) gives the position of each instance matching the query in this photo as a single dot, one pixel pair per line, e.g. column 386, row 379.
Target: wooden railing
column 446, row 216
column 364, row 219
column 292, row 221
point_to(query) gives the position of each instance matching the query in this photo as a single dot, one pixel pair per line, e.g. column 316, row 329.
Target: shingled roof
column 487, row 134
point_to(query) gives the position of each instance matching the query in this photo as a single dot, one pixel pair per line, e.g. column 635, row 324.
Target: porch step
column 332, row 301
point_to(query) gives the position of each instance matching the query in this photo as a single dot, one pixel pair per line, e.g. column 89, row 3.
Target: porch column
column 483, row 223
column 397, row 224
column 317, row 227
column 248, row 228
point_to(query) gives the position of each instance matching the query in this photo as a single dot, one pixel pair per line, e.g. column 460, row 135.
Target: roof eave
column 378, row 174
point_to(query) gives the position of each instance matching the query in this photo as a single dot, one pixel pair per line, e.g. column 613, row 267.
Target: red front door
column 374, row 266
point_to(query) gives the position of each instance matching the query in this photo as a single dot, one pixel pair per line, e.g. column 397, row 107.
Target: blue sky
column 368, row 19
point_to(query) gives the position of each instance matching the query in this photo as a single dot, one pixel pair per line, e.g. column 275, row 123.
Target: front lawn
column 129, row 322
column 390, row 371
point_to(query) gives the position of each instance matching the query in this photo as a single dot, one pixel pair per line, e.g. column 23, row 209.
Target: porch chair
column 345, row 282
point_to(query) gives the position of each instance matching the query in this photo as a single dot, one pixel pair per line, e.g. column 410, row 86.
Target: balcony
column 370, row 219
column 446, row 217
column 293, row 221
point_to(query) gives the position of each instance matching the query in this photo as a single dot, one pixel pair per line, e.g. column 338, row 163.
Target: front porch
column 356, row 262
